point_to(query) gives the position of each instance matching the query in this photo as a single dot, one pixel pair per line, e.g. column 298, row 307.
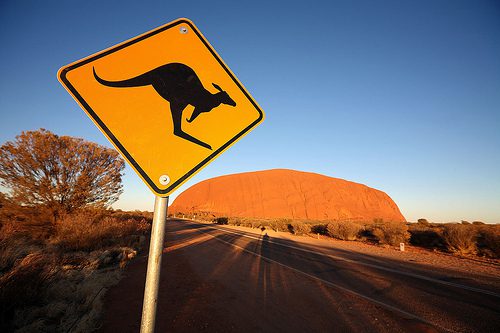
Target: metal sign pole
column 154, row 265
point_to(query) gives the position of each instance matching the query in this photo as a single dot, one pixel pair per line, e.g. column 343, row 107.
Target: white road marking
column 387, row 269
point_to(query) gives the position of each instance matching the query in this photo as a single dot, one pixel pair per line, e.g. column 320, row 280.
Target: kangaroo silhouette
column 180, row 86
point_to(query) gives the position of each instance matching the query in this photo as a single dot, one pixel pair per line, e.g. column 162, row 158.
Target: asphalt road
column 215, row 279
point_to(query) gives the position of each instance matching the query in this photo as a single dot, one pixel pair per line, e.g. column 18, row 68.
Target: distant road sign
column 166, row 101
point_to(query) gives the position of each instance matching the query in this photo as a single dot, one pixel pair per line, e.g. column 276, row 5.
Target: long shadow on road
column 214, row 281
column 442, row 305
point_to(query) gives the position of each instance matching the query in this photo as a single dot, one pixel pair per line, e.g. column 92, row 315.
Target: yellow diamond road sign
column 166, row 101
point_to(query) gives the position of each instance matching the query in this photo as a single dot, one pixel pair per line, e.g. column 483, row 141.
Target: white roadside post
column 154, row 265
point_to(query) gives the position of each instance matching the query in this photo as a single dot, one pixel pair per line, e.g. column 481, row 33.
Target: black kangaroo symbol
column 180, row 86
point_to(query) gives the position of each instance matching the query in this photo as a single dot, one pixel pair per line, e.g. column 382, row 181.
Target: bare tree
column 60, row 173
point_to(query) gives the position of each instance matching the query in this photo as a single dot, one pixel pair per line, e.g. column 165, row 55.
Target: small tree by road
column 59, row 173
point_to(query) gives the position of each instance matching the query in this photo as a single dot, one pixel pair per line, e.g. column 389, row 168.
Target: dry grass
column 300, row 228
column 345, row 230
column 422, row 234
column 14, row 247
column 489, row 242
column 236, row 221
column 56, row 283
column 426, row 235
column 460, row 238
column 391, row 233
column 89, row 231
column 68, row 301
column 475, row 238
column 279, row 224
column 23, row 285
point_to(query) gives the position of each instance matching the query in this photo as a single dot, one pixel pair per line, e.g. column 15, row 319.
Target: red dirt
column 282, row 193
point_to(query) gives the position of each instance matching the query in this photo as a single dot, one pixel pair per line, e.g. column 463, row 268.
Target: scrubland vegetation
column 61, row 246
column 53, row 276
column 463, row 238
column 344, row 230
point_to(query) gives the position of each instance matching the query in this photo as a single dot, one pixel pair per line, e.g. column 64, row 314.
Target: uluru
column 283, row 193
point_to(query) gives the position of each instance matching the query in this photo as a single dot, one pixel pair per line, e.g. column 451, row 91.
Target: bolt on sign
column 166, row 101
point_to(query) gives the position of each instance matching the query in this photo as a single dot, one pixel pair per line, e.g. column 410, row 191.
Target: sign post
column 170, row 105
column 154, row 265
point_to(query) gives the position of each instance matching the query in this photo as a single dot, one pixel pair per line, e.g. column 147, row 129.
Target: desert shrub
column 207, row 218
column 18, row 219
column 199, row 216
column 423, row 221
column 8, row 230
column 321, row 229
column 221, row 220
column 136, row 215
column 391, row 233
column 234, row 221
column 254, row 224
column 489, row 241
column 425, row 235
column 300, row 228
column 24, row 285
column 279, row 224
column 41, row 295
column 345, row 230
column 56, row 284
column 246, row 224
column 88, row 231
column 250, row 223
column 460, row 238
column 16, row 247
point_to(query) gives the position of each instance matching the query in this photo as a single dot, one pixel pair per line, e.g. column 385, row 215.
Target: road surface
column 217, row 279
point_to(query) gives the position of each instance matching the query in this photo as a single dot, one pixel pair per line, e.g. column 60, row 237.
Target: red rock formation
column 281, row 193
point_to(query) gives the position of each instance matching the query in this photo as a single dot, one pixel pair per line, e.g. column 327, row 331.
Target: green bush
column 460, row 238
column 344, row 229
column 391, row 233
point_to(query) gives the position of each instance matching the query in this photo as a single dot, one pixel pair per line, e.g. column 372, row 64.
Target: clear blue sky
column 403, row 96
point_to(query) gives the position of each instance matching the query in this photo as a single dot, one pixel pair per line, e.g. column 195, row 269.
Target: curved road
column 217, row 279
